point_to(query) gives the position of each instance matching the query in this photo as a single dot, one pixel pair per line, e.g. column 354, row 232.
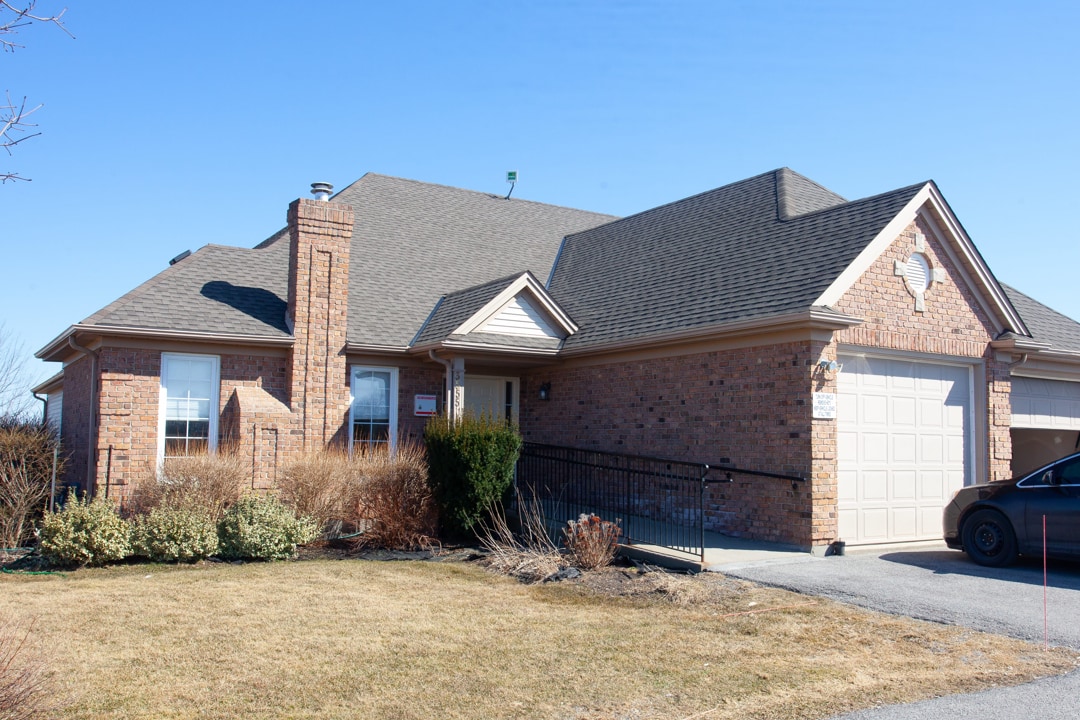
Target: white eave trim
column 539, row 294
column 929, row 195
column 361, row 348
column 60, row 342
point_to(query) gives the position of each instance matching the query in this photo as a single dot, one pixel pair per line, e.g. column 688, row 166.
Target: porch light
column 545, row 391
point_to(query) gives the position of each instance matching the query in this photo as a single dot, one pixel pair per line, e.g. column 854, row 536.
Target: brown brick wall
column 748, row 407
column 417, row 381
column 75, row 420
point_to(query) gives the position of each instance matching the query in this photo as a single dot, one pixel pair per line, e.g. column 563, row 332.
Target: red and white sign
column 425, row 405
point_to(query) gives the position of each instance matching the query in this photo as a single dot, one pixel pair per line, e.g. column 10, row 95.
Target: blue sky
column 168, row 126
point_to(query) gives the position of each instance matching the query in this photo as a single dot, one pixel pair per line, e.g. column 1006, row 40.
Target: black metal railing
column 658, row 502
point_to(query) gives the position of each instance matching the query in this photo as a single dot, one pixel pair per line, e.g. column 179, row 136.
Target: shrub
column 260, row 527
column 26, row 466
column 321, row 485
column 25, row 692
column 471, row 466
column 209, row 482
column 174, row 534
column 591, row 542
column 394, row 504
column 529, row 554
column 85, row 533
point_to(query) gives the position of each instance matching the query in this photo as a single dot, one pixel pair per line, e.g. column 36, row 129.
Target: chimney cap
column 321, row 190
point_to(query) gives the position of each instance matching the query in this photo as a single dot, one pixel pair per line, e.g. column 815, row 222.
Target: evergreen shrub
column 470, row 467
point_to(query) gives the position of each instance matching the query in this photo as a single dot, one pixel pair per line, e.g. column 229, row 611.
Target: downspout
column 44, row 406
column 1023, row 359
column 92, row 440
column 448, row 394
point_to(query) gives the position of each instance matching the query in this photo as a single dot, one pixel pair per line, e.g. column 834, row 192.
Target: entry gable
column 512, row 312
column 929, row 208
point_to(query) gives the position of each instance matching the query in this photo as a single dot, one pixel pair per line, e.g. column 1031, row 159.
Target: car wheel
column 989, row 538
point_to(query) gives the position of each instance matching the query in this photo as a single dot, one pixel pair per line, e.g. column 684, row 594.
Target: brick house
column 864, row 345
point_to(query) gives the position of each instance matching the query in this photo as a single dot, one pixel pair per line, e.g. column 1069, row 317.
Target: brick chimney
column 320, row 233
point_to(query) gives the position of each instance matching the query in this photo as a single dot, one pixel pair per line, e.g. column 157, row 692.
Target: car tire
column 989, row 538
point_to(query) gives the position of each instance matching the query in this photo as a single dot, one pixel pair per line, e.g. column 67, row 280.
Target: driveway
column 944, row 586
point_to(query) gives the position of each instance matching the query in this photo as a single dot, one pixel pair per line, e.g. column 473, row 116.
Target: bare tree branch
column 14, row 127
column 15, row 395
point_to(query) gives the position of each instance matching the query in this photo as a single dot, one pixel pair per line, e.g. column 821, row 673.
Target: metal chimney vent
column 321, row 190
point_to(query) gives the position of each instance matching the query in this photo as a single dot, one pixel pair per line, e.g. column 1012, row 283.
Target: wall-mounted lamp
column 545, row 391
column 829, row 366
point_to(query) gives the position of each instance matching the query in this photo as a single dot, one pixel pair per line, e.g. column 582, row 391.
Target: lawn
column 362, row 639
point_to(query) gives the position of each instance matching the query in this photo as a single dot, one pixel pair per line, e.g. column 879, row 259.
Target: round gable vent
column 917, row 272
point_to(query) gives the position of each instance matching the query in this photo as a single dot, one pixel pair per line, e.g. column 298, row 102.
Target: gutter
column 44, row 406
column 448, row 384
column 121, row 330
column 91, row 449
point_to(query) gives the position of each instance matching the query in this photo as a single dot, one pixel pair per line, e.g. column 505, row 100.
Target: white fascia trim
column 873, row 251
column 501, row 349
column 525, row 282
column 1002, row 305
column 372, row 348
column 928, row 195
column 60, row 341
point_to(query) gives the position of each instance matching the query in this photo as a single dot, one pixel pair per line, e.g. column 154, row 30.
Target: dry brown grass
column 346, row 639
column 26, row 689
column 528, row 554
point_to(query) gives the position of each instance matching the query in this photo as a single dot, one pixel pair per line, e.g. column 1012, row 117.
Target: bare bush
column 529, row 554
column 25, row 689
column 591, row 542
column 395, row 506
column 322, row 485
column 26, row 466
column 209, row 482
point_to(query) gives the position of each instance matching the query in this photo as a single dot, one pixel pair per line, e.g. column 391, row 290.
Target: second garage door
column 903, row 446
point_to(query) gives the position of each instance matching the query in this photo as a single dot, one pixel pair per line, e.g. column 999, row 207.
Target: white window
column 189, row 404
column 373, row 417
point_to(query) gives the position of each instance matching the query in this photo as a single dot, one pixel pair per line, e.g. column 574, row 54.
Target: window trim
column 215, row 399
column 392, row 428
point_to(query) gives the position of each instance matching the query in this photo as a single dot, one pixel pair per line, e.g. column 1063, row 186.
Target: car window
column 1069, row 473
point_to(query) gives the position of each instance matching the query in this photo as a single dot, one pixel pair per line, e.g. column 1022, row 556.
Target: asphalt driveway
column 942, row 585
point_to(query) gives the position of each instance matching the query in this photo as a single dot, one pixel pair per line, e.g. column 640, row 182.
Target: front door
column 494, row 396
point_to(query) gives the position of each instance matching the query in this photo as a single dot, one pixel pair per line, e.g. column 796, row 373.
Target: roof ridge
column 494, row 196
column 859, row 201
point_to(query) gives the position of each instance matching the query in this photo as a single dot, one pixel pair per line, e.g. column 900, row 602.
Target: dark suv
column 995, row 522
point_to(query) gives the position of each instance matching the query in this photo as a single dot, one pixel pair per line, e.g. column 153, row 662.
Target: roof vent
column 321, row 190
column 179, row 257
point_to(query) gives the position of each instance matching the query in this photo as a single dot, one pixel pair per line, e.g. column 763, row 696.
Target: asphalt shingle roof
column 721, row 256
column 228, row 290
column 1046, row 324
column 455, row 308
column 412, row 243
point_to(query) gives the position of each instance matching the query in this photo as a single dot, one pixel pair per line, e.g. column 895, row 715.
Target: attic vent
column 917, row 272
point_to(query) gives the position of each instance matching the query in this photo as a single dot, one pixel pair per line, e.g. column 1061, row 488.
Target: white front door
column 903, row 446
column 494, row 396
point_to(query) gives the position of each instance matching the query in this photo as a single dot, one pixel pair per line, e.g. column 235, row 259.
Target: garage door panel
column 904, row 523
column 875, row 410
column 874, row 485
column 903, row 485
column 903, row 442
column 874, row 525
column 903, row 411
column 903, row 449
column 1045, row 404
column 874, row 447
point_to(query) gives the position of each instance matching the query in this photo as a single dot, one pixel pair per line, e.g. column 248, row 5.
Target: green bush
column 470, row 467
column 175, row 534
column 260, row 527
column 85, row 533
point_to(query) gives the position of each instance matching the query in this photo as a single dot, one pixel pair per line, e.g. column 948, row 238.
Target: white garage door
column 1047, row 404
column 903, row 446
